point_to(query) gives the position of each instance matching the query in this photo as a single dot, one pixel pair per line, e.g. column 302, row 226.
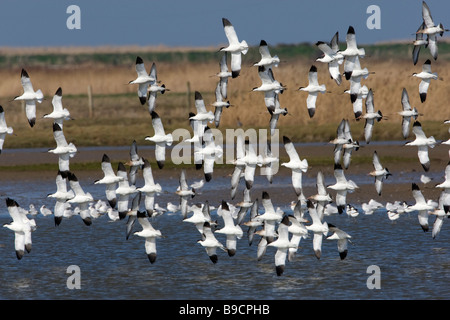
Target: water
column 412, row 264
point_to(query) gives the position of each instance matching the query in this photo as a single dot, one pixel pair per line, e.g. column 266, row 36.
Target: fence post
column 90, row 102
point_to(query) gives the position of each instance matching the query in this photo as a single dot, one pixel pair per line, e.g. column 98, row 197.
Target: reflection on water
column 412, row 264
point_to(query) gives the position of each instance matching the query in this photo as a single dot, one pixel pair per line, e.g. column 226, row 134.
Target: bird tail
column 39, row 96
column 169, row 139
column 244, row 44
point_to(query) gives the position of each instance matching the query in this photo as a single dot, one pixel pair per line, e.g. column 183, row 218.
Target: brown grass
column 116, row 104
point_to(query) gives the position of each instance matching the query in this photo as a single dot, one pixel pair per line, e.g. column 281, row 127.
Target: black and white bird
column 160, row 138
column 431, row 30
column 342, row 238
column 313, row 88
column 231, row 229
column 275, row 111
column 149, row 233
column 426, row 76
column 283, row 244
column 82, row 198
column 123, row 191
column 239, row 164
column 235, row 47
column 30, row 97
column 219, row 104
column 297, row 166
column 59, row 113
column 210, row 243
column 22, row 227
column 4, row 129
column 143, row 80
column 357, row 75
column 63, row 150
column 418, row 43
column 318, row 227
column 422, row 206
column 267, row 60
column 342, row 187
column 110, row 180
column 154, row 88
column 223, row 75
column 269, row 86
column 332, row 57
column 371, row 115
column 61, row 196
column 407, row 113
column 150, row 188
column 209, row 152
column 445, row 187
column 422, row 142
column 322, row 197
column 379, row 173
column 185, row 193
column 351, row 52
column 135, row 163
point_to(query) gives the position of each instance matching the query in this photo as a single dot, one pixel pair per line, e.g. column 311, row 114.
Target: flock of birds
column 274, row 227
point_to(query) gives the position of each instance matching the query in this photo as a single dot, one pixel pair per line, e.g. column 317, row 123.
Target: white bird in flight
column 297, row 166
column 407, row 113
column 426, row 75
column 380, row 173
column 160, row 138
column 149, row 233
column 30, row 97
column 351, row 52
column 143, row 80
column 235, row 47
column 431, row 30
column 267, row 60
column 59, row 113
column 422, row 142
column 313, row 88
column 4, row 129
column 331, row 56
column 22, row 227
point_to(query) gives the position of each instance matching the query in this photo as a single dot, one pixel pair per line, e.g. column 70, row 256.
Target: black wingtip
column 343, row 254
column 10, row 202
column 263, row 43
column 87, row 221
column 139, row 60
column 286, row 140
column 313, row 68
column 198, row 96
column 208, row 176
column 279, row 270
column 351, row 30
column 152, row 257
column 225, row 205
column 423, row 97
column 265, row 195
column 213, row 258
column 414, row 186
column 311, row 112
column 235, row 73
column 32, row 122
column 226, row 22
column 24, row 73
column 160, row 164
column 348, row 75
column 105, row 158
column 56, row 127
column 142, row 100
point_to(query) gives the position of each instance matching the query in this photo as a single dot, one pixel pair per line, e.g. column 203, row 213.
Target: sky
column 198, row 23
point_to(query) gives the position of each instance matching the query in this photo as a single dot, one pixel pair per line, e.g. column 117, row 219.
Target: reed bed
column 117, row 115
